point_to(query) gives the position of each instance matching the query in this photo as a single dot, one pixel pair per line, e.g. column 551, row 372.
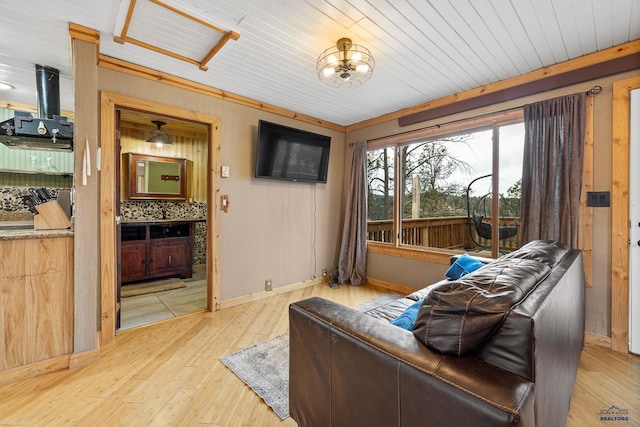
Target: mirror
column 155, row 177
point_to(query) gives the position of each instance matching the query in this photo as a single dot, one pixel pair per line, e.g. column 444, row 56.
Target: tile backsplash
column 132, row 210
column 12, row 208
column 11, row 198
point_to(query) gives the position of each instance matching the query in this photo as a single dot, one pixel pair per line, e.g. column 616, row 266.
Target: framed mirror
column 155, row 178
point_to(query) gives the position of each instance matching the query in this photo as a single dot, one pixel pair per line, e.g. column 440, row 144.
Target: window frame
column 491, row 121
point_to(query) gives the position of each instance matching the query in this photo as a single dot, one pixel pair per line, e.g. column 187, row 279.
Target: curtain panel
column 352, row 264
column 552, row 169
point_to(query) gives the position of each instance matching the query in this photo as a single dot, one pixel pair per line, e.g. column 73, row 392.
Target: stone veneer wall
column 12, row 206
column 136, row 210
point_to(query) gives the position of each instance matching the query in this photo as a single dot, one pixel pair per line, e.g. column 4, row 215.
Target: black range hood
column 48, row 131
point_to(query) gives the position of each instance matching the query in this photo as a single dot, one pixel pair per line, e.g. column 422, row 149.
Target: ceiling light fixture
column 5, row 86
column 345, row 65
column 159, row 136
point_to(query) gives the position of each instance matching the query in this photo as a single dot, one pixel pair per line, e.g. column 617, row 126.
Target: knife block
column 50, row 217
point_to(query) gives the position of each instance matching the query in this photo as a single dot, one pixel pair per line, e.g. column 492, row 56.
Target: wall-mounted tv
column 291, row 154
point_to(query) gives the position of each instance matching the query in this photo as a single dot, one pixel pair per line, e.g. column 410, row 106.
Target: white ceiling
column 423, row 49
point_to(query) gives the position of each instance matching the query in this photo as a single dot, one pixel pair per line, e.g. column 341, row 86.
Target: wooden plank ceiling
column 423, row 49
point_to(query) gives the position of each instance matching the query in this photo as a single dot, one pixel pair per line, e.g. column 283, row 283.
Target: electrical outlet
column 267, row 285
column 324, row 272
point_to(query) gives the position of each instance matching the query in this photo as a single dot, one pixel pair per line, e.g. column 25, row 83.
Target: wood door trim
column 108, row 275
column 620, row 214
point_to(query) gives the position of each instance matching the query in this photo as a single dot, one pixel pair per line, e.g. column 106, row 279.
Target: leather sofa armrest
column 347, row 368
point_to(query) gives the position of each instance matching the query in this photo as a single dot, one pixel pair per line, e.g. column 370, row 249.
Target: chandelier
column 345, row 65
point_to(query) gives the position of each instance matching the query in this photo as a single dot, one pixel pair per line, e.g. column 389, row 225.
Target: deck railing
column 452, row 232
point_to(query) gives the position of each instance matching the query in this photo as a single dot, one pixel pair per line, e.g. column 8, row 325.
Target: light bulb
column 332, row 59
column 329, row 71
column 357, row 56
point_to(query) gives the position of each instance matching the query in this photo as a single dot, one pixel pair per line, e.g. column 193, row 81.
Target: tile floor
column 150, row 308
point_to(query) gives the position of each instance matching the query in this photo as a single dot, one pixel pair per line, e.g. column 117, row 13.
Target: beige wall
column 288, row 232
column 416, row 273
column 86, row 265
column 283, row 231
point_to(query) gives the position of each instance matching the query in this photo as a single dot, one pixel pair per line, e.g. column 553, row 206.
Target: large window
column 454, row 189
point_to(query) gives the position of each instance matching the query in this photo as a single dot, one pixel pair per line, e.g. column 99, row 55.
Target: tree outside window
column 436, row 207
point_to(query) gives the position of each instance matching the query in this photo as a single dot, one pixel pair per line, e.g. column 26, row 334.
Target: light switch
column 225, row 171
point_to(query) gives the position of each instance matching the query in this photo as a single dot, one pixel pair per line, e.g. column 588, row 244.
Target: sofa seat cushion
column 457, row 316
column 408, row 317
column 390, row 311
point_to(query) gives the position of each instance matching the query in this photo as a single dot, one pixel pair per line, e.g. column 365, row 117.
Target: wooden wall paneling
column 620, row 214
column 189, row 145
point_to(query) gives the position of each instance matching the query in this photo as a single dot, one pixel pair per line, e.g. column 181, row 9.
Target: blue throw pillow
column 463, row 265
column 408, row 316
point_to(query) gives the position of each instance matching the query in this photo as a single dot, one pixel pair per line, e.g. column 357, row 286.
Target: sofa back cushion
column 459, row 316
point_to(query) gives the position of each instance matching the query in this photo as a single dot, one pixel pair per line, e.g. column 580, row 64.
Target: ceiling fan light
column 362, row 68
column 328, row 71
column 355, row 67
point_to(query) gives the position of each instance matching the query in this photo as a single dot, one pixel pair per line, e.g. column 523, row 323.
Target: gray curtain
column 552, row 169
column 352, row 265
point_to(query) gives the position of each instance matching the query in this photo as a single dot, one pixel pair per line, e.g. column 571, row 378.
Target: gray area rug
column 265, row 366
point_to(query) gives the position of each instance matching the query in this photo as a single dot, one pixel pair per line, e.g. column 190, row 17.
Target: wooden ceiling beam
column 593, row 72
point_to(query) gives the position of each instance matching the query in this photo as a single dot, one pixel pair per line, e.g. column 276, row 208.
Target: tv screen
column 291, row 154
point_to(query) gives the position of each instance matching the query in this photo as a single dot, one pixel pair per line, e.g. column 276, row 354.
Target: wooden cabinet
column 36, row 308
column 153, row 250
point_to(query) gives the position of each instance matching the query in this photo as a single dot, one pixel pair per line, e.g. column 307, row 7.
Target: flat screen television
column 291, row 154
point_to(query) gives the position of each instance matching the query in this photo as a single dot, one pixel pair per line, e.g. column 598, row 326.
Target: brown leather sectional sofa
column 498, row 347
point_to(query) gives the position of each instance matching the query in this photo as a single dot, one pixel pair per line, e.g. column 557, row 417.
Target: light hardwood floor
column 169, row 374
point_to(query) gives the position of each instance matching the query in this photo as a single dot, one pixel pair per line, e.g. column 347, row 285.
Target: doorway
column 162, row 209
column 110, row 102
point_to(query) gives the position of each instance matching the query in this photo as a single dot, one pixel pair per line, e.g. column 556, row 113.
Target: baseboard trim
column 34, row 369
column 598, row 340
column 390, row 286
column 83, row 359
column 266, row 294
